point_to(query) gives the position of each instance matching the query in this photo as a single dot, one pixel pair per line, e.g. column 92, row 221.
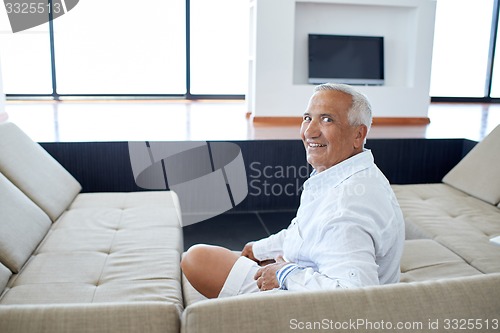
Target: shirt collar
column 336, row 174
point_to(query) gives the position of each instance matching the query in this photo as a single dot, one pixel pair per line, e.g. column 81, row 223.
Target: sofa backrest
column 5, row 275
column 37, row 174
column 412, row 305
column 22, row 226
column 477, row 174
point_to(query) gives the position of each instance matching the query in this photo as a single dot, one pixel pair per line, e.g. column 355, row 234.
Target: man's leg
column 207, row 267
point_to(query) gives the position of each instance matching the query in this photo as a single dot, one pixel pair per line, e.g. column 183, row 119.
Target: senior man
column 348, row 231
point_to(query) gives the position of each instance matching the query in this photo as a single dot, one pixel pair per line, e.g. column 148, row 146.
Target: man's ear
column 359, row 140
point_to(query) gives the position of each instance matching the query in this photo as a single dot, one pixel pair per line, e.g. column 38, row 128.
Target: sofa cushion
column 138, row 214
column 456, row 220
column 29, row 167
column 439, row 209
column 22, row 226
column 477, row 173
column 476, row 250
column 5, row 275
column 107, row 247
column 93, row 277
column 425, row 259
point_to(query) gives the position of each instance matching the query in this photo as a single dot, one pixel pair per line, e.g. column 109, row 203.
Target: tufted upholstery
column 436, row 209
column 454, row 219
column 106, row 248
column 457, row 221
column 73, row 262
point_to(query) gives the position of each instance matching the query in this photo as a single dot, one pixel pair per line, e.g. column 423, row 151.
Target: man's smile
column 315, row 145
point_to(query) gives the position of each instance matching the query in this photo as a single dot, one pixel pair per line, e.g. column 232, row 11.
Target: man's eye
column 307, row 118
column 327, row 120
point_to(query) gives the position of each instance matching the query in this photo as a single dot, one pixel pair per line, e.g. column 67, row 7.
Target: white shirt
column 348, row 232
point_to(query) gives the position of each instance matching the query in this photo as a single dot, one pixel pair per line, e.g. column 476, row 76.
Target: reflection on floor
column 176, row 120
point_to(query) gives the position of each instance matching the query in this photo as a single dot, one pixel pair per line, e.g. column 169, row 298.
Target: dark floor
column 234, row 230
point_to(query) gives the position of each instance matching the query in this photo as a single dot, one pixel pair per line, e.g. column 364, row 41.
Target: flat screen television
column 356, row 60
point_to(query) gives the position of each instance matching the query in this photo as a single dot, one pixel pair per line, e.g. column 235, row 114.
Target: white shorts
column 240, row 280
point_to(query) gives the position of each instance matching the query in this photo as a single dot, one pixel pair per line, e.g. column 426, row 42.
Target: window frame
column 188, row 96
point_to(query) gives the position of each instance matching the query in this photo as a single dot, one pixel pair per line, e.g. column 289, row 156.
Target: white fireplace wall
column 278, row 52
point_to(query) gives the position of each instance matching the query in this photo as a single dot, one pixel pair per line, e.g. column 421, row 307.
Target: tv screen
column 357, row 60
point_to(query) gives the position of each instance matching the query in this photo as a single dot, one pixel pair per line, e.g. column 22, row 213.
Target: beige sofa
column 70, row 262
column 109, row 262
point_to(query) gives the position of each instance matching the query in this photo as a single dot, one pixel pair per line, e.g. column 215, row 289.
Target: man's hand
column 266, row 276
column 248, row 252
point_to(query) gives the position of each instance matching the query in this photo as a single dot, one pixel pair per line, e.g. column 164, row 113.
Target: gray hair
column 360, row 112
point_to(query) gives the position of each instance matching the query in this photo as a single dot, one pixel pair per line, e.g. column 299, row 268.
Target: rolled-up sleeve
column 270, row 247
column 345, row 258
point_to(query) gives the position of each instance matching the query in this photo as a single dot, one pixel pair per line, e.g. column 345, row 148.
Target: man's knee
column 207, row 267
column 208, row 258
column 195, row 254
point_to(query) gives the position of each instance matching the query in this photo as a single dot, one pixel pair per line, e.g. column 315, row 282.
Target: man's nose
column 312, row 129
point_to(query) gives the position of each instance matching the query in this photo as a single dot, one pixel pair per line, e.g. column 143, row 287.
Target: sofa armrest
column 422, row 305
column 147, row 317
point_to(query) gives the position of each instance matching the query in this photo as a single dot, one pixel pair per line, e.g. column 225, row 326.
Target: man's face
column 326, row 133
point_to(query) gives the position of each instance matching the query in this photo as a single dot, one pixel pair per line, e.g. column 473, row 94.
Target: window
column 461, row 48
column 219, row 46
column 25, row 59
column 121, row 47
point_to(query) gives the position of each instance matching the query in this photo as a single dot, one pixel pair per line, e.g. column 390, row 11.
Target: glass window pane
column 461, row 46
column 25, row 59
column 219, row 46
column 121, row 47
